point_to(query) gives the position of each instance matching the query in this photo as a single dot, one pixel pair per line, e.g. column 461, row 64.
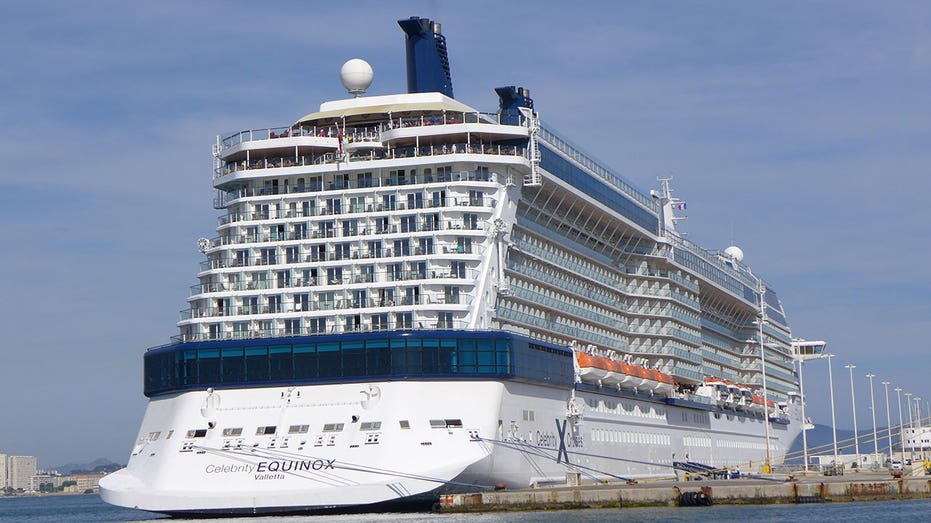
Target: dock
column 801, row 488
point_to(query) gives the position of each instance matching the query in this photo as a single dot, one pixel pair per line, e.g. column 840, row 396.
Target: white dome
column 356, row 76
column 735, row 252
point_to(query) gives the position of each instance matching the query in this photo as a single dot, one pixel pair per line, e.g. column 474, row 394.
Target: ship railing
column 575, row 332
column 388, row 153
column 271, row 133
column 364, row 133
column 720, row 269
column 559, row 304
column 448, row 118
column 465, row 277
column 388, row 323
column 343, row 303
column 227, row 197
column 565, row 146
column 355, row 253
column 440, row 226
column 269, row 260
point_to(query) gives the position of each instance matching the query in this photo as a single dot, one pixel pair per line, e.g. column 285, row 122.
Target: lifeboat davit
column 721, row 393
column 746, row 398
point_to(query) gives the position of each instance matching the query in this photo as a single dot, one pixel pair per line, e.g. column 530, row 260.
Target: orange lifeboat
column 640, row 378
column 666, row 383
column 591, row 368
column 653, row 379
column 614, row 374
column 756, row 404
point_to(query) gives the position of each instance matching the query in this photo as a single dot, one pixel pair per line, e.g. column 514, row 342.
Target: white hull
column 510, row 433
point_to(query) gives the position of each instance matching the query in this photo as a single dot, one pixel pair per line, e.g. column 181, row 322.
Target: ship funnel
column 510, row 100
column 427, row 59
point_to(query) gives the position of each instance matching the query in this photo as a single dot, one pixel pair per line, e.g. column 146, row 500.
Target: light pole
column 801, row 385
column 916, row 435
column 870, row 375
column 888, row 419
column 911, row 424
column 898, row 396
column 833, row 418
column 853, row 400
column 917, row 413
column 761, row 319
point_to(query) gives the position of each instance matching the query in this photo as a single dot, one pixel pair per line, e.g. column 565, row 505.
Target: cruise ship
column 407, row 296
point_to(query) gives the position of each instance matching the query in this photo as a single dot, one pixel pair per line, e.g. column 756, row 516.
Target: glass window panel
column 189, row 367
column 208, row 366
column 279, row 362
column 257, row 363
column 353, row 358
column 328, row 360
column 305, row 361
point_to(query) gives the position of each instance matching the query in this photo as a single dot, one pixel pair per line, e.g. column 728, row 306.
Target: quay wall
column 690, row 493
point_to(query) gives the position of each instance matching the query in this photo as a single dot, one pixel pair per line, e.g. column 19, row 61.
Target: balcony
column 389, row 153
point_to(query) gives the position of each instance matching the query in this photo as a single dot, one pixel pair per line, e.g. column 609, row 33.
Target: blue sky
column 799, row 130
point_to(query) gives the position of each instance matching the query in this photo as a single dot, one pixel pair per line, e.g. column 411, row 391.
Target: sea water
column 90, row 509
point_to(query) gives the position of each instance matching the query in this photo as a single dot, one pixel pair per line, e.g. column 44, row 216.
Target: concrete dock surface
column 804, row 487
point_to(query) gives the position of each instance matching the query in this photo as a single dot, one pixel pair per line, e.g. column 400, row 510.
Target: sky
column 799, row 131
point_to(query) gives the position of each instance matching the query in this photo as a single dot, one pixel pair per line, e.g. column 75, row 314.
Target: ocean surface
column 90, row 509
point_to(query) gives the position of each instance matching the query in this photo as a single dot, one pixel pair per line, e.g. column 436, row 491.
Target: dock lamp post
column 833, row 418
column 917, row 413
column 888, row 418
column 898, row 399
column 911, row 424
column 853, row 400
column 916, row 435
column 870, row 375
column 760, row 320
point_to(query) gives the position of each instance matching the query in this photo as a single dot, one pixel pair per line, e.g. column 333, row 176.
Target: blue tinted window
column 208, row 365
column 305, row 361
column 279, row 362
column 233, row 365
column 257, row 364
column 450, row 354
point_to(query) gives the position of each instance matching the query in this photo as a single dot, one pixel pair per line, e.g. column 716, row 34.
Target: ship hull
column 432, row 437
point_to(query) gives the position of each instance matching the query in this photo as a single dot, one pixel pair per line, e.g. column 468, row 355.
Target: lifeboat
column 614, row 374
column 756, row 404
column 745, row 399
column 733, row 394
column 666, row 383
column 641, row 380
column 718, row 390
column 627, row 377
column 592, row 369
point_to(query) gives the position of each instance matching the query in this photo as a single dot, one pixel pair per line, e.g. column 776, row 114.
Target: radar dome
column 735, row 252
column 356, row 76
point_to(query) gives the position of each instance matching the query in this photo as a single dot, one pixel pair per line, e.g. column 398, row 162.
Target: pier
column 769, row 489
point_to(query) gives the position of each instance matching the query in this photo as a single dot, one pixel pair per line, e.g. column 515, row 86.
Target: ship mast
column 668, row 207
